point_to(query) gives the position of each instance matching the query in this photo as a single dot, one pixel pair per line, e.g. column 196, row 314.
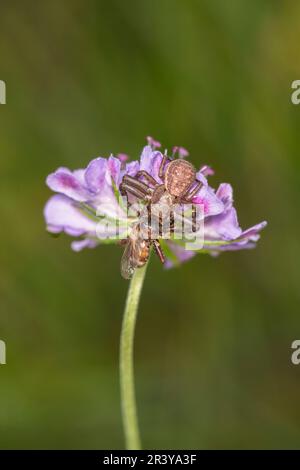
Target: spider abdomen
column 179, row 176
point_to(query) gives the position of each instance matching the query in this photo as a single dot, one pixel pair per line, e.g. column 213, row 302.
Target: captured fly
column 137, row 251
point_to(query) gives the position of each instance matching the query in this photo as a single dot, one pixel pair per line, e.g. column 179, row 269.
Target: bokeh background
column 213, row 345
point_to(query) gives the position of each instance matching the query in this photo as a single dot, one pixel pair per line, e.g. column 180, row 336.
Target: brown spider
column 179, row 183
column 179, row 187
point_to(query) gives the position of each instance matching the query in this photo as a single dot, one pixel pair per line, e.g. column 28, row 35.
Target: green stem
column 128, row 404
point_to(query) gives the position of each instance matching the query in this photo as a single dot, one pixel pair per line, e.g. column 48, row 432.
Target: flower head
column 89, row 205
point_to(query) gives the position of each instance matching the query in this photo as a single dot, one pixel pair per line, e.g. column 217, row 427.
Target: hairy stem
column 128, row 402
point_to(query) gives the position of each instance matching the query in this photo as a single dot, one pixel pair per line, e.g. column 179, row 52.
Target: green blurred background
column 213, row 344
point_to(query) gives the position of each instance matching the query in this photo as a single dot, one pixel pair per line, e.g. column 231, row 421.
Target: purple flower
column 88, row 205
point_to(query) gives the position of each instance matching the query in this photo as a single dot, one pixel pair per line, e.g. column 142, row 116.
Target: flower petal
column 246, row 240
column 200, row 177
column 95, row 174
column 79, row 245
column 252, row 233
column 235, row 246
column 224, row 226
column 212, row 205
column 181, row 254
column 132, row 168
column 70, row 184
column 114, row 168
column 225, row 193
column 62, row 215
column 150, row 162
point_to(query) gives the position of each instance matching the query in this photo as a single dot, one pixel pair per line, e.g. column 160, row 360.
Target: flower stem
column 128, row 403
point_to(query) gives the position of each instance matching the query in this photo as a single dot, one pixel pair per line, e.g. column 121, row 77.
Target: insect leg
column 158, row 250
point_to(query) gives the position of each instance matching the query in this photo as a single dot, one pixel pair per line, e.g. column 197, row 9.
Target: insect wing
column 129, row 260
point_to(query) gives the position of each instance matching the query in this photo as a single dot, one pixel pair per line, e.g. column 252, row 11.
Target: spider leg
column 194, row 216
column 194, row 219
column 158, row 250
column 166, row 226
column 134, row 182
column 192, row 191
column 160, row 225
column 147, row 177
column 127, row 188
column 161, row 167
column 172, row 222
column 135, row 187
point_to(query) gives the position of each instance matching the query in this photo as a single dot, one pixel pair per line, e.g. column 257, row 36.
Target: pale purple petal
column 79, row 245
column 150, row 162
column 114, row 167
column 246, row 240
column 106, row 204
column 215, row 250
column 200, row 177
column 132, row 168
column 212, row 205
column 225, row 193
column 253, row 232
column 62, row 215
column 95, row 175
column 224, row 226
column 65, row 182
column 79, row 174
column 181, row 254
